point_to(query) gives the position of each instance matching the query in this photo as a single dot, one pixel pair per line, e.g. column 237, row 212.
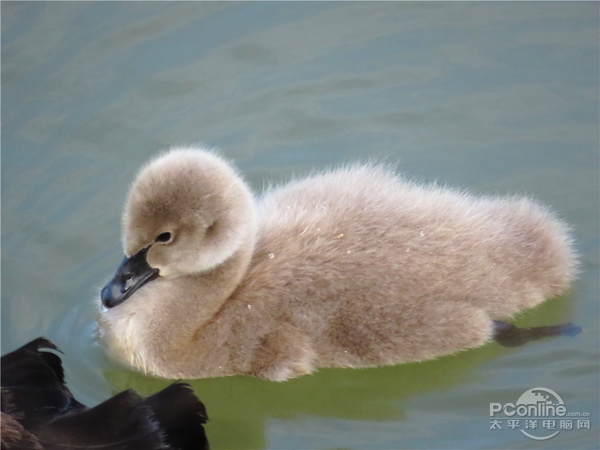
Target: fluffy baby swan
column 351, row 268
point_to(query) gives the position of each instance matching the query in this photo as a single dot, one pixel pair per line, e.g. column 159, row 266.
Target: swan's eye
column 164, row 238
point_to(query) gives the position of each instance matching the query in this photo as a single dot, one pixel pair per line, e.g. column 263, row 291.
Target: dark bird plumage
column 39, row 411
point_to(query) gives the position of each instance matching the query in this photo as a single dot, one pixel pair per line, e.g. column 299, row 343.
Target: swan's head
column 187, row 212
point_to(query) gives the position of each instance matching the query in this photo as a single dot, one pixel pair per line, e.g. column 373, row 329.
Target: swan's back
column 363, row 234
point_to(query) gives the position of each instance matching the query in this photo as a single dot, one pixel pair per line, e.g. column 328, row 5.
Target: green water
column 492, row 97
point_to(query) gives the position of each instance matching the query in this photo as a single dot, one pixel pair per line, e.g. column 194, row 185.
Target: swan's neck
column 218, row 285
column 154, row 330
column 197, row 298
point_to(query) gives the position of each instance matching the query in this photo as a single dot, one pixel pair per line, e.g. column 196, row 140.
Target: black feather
column 181, row 416
column 39, row 411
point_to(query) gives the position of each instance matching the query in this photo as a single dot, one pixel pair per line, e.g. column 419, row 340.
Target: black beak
column 131, row 275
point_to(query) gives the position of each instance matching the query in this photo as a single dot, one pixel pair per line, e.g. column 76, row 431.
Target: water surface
column 490, row 97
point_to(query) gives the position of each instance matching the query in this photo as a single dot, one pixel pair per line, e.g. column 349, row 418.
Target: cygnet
column 355, row 267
